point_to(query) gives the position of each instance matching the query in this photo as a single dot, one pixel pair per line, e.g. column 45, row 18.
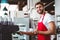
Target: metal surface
column 23, row 24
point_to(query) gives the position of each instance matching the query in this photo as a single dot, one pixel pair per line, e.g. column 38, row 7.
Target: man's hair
column 39, row 3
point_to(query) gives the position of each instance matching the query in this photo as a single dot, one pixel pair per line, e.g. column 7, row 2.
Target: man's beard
column 41, row 12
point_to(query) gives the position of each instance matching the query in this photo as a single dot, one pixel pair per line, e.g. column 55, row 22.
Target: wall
column 57, row 12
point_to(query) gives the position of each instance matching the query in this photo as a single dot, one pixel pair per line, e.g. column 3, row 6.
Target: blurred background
column 23, row 14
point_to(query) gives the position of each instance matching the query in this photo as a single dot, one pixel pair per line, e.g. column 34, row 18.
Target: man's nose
column 39, row 8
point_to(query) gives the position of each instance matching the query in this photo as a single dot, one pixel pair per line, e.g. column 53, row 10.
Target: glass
column 1, row 20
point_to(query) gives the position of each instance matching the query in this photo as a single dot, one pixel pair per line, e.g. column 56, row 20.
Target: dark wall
column 47, row 2
column 50, row 7
column 12, row 1
column 0, row 1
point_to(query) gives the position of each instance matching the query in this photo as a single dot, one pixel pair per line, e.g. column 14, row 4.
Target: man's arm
column 51, row 31
column 28, row 33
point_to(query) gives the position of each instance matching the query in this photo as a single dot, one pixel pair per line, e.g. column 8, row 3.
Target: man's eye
column 39, row 6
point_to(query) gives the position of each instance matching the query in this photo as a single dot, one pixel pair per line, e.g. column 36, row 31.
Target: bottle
column 1, row 20
column 5, row 19
column 10, row 21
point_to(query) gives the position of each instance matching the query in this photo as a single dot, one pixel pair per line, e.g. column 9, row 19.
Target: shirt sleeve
column 50, row 18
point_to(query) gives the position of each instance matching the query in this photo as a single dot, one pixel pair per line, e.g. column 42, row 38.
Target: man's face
column 39, row 8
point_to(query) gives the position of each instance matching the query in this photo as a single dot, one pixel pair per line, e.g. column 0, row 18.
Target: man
column 46, row 25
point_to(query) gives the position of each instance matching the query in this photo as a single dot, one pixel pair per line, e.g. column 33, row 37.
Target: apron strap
column 43, row 17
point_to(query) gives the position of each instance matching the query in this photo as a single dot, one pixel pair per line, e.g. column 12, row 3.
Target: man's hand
column 35, row 32
column 20, row 33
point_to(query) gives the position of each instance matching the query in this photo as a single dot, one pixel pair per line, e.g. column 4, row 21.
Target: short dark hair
column 39, row 3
